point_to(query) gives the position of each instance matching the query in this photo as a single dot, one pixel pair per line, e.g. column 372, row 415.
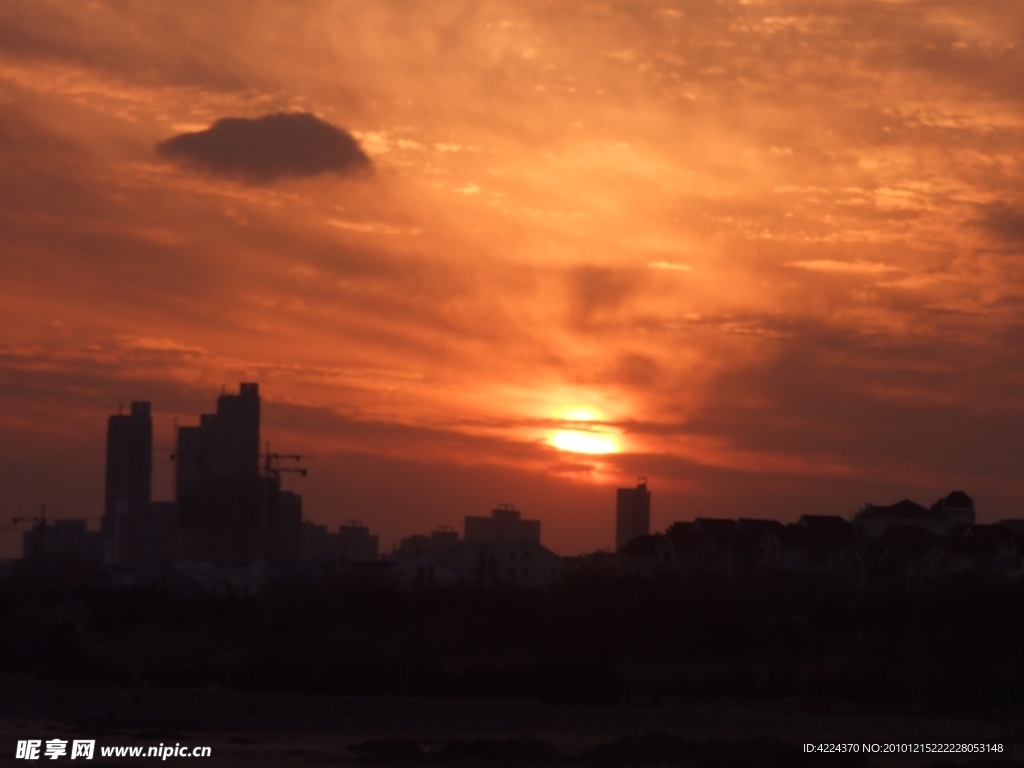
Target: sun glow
column 583, row 431
column 580, row 413
column 582, row 441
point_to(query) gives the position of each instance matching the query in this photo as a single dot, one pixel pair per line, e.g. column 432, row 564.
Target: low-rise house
column 721, row 545
column 683, row 540
column 646, row 556
column 823, row 545
column 766, row 539
column 872, row 520
column 424, row 572
column 906, row 550
column 64, row 552
column 816, row 544
column 601, row 564
column 902, row 539
column 187, row 578
column 941, row 519
column 1009, row 559
column 965, row 553
column 957, row 508
column 505, row 562
column 985, row 549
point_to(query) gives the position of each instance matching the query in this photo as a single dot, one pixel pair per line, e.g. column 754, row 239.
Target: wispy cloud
column 371, row 227
column 843, row 267
column 671, row 266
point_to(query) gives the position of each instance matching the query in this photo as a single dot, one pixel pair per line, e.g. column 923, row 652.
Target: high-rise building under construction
column 226, row 444
column 228, row 511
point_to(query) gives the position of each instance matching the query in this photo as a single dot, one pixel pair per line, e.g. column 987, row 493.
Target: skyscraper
column 128, row 481
column 236, row 443
column 226, row 444
column 227, row 510
column 632, row 513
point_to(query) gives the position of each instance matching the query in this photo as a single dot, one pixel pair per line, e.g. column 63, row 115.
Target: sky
column 767, row 254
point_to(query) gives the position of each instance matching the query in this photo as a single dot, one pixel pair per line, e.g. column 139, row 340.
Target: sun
column 580, row 441
column 583, row 431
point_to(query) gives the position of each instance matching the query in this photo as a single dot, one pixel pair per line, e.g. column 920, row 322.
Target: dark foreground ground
column 598, row 672
column 285, row 730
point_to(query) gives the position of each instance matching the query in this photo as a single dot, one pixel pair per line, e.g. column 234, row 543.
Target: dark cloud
column 635, row 370
column 879, row 401
column 285, row 145
column 1005, row 222
column 596, row 294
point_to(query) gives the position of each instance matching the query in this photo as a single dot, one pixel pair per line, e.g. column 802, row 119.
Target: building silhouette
column 226, row 444
column 229, row 511
column 442, row 539
column 355, row 543
column 941, row 519
column 128, row 483
column 503, row 550
column 159, row 542
column 505, row 523
column 632, row 513
column 352, row 543
column 289, row 527
column 63, row 547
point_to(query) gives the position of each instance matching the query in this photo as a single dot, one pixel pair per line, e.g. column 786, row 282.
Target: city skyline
column 231, row 523
column 765, row 253
column 229, row 507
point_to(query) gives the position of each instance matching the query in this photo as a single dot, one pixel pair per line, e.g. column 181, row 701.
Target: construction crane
column 40, row 519
column 272, row 464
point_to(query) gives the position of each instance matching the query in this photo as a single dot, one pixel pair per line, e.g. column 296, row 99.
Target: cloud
column 283, row 145
column 370, row 227
column 670, row 265
column 1005, row 222
column 597, row 293
column 859, row 267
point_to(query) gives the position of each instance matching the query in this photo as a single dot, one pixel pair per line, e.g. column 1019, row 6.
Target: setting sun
column 584, row 431
column 580, row 441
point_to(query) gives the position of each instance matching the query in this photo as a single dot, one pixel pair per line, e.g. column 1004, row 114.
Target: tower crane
column 272, row 464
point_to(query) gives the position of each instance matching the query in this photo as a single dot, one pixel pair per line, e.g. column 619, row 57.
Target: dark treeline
column 951, row 647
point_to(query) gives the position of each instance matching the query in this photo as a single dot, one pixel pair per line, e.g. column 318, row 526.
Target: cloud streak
column 843, row 267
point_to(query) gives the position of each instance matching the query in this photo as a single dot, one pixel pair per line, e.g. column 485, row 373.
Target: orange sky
column 774, row 248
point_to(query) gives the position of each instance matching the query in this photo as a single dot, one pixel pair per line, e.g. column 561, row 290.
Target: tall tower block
column 632, row 513
column 225, row 445
column 128, row 481
column 237, row 441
